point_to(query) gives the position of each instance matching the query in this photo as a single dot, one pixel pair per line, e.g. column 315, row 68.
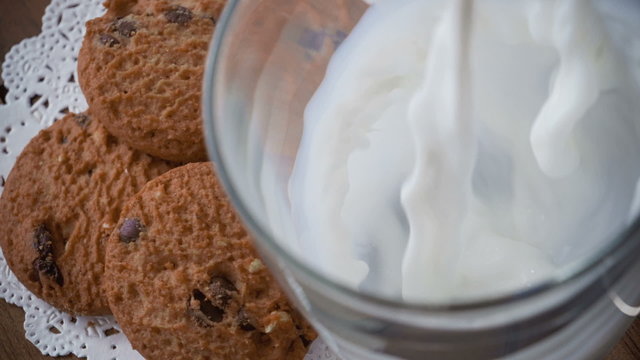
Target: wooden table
column 20, row 19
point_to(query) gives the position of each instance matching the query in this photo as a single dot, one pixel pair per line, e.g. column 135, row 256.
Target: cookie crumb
column 280, row 317
column 255, row 266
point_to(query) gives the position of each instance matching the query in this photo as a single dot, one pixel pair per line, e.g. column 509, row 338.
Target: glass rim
column 561, row 276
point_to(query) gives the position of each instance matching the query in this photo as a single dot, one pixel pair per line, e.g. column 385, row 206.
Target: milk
column 466, row 149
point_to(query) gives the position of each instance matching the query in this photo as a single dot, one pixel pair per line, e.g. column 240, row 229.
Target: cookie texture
column 60, row 203
column 184, row 281
column 141, row 68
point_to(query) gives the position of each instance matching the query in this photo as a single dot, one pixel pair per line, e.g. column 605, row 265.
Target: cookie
column 60, row 203
column 184, row 281
column 141, row 68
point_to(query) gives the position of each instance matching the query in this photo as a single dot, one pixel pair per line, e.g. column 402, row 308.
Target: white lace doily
column 40, row 75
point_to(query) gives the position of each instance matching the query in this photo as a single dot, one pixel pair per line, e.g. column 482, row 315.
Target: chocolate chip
column 125, row 28
column 306, row 342
column 222, row 289
column 244, row 322
column 45, row 261
column 48, row 267
column 2, row 181
column 82, row 120
column 179, row 15
column 42, row 240
column 203, row 311
column 106, row 39
column 130, row 230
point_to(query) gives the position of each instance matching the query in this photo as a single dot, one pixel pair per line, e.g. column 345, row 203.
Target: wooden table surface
column 20, row 19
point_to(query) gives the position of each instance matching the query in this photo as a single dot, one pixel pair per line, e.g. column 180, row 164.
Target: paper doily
column 40, row 75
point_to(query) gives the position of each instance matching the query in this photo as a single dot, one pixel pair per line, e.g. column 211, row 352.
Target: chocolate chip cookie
column 184, row 281
column 141, row 67
column 59, row 205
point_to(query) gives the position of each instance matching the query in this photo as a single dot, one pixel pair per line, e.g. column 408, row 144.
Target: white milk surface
column 466, row 149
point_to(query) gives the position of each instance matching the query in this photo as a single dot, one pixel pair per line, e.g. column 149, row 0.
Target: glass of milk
column 447, row 179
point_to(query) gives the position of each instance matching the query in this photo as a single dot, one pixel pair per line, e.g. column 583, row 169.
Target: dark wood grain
column 13, row 344
column 20, row 19
column 629, row 347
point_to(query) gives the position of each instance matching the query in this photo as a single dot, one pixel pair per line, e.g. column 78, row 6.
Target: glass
column 267, row 59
